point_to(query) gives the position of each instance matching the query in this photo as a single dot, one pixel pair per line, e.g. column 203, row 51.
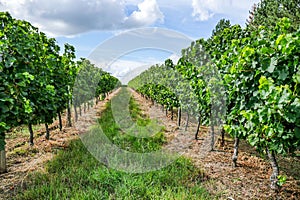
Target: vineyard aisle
column 22, row 159
column 250, row 180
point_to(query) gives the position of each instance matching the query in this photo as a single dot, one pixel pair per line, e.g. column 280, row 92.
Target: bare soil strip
column 250, row 180
column 22, row 159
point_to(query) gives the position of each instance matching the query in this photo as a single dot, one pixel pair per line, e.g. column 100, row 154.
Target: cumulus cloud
column 148, row 13
column 205, row 9
column 71, row 17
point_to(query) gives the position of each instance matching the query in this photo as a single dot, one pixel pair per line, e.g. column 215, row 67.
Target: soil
column 22, row 158
column 250, row 180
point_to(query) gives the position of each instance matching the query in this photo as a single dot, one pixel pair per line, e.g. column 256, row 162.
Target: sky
column 115, row 25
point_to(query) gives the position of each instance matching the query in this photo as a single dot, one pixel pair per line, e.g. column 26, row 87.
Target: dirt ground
column 250, row 180
column 22, row 159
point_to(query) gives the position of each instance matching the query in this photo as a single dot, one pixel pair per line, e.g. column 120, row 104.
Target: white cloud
column 71, row 17
column 125, row 70
column 205, row 9
column 147, row 14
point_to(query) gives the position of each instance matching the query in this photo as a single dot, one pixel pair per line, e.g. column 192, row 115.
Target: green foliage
column 32, row 77
column 36, row 82
column 155, row 84
column 269, row 12
column 91, row 82
column 222, row 24
column 263, row 98
column 191, row 84
column 257, row 70
column 281, row 180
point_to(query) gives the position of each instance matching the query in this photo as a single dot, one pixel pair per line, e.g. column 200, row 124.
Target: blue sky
column 86, row 24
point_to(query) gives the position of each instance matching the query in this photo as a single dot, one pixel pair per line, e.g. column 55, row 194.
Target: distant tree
column 222, row 24
column 268, row 12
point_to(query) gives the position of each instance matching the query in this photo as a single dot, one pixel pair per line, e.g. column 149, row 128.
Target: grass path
column 75, row 174
column 23, row 159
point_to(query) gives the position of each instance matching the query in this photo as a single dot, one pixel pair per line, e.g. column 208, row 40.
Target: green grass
column 76, row 174
column 124, row 137
column 22, row 131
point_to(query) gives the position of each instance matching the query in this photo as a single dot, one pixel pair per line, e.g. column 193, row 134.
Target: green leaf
column 272, row 66
column 281, row 180
column 297, row 132
column 10, row 62
column 265, row 50
column 282, row 75
column 253, row 140
column 279, row 39
column 296, row 76
column 4, row 108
